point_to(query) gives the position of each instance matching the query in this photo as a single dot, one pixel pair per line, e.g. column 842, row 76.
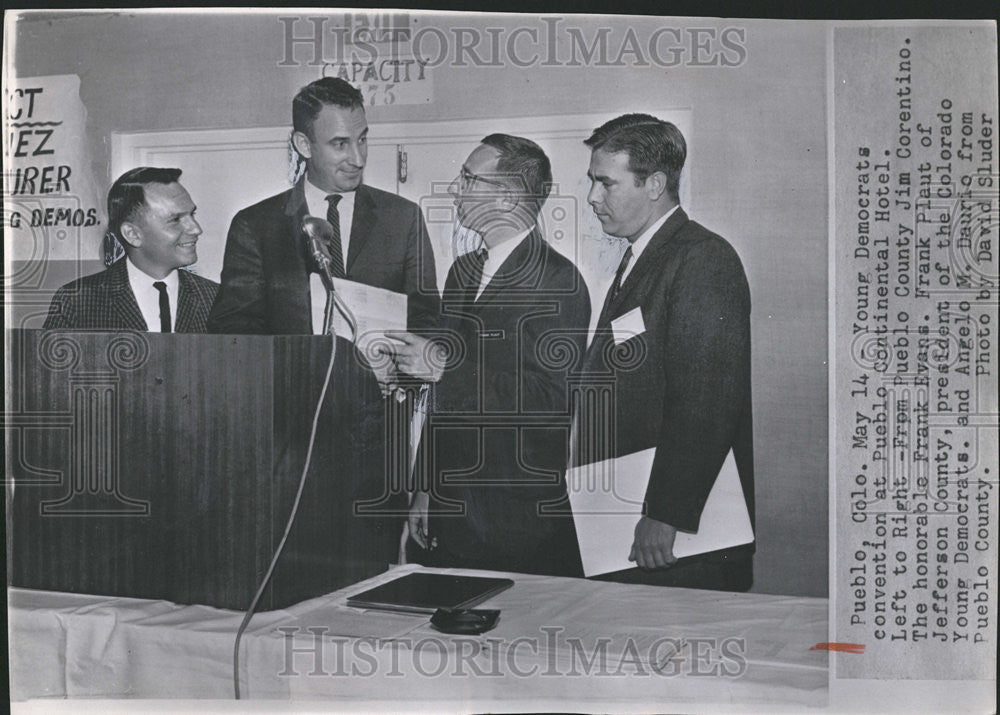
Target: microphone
column 319, row 233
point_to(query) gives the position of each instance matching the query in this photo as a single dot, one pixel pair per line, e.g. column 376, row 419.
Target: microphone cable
column 331, row 299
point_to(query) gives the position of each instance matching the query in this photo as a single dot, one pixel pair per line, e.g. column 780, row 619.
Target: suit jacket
column 682, row 386
column 265, row 272
column 104, row 301
column 496, row 440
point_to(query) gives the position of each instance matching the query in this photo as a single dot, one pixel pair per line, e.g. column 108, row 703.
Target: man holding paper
column 673, row 342
column 379, row 238
column 493, row 452
column 378, row 251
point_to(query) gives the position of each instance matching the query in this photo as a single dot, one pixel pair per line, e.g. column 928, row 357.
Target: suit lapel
column 188, row 302
column 122, row 299
column 458, row 298
column 296, row 209
column 647, row 261
column 361, row 225
column 519, row 269
column 470, row 277
column 291, row 267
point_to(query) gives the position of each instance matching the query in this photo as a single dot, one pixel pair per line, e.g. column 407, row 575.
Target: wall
column 760, row 180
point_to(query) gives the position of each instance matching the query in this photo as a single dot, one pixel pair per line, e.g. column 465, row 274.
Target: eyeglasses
column 466, row 180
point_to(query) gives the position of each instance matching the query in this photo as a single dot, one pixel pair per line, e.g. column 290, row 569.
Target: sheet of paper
column 607, row 501
column 376, row 310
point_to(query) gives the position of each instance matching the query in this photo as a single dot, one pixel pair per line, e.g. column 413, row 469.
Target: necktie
column 161, row 287
column 336, row 250
column 616, row 285
column 478, row 263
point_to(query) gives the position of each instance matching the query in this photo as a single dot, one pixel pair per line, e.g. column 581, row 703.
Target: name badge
column 628, row 326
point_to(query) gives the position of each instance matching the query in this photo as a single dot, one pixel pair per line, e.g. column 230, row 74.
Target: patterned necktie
column 336, row 250
column 164, row 306
column 616, row 286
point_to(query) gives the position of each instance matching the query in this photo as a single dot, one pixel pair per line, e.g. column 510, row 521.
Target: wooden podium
column 165, row 466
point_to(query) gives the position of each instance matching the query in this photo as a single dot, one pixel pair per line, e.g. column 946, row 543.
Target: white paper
column 376, row 310
column 607, row 502
column 628, row 326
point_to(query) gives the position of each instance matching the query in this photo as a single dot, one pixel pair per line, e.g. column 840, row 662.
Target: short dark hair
column 311, row 99
column 524, row 166
column 651, row 144
column 128, row 194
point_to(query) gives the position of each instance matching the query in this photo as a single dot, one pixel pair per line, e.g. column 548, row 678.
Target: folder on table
column 427, row 592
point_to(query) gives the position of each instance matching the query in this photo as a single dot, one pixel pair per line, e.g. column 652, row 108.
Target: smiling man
column 378, row 238
column 152, row 217
column 681, row 299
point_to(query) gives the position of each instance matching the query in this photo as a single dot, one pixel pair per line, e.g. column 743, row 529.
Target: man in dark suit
column 673, row 342
column 150, row 216
column 381, row 239
column 493, row 454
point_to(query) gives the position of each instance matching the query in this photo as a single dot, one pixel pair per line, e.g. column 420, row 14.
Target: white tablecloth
column 559, row 641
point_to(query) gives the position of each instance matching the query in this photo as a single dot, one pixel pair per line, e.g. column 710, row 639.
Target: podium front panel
column 165, row 466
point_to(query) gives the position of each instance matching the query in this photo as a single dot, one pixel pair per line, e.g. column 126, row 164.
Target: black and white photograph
column 424, row 361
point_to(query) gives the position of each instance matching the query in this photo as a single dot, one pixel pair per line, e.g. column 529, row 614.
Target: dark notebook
column 427, row 592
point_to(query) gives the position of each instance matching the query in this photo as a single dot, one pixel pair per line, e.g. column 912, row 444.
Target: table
column 559, row 642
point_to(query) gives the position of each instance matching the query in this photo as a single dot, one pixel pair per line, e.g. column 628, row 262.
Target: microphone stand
column 333, row 303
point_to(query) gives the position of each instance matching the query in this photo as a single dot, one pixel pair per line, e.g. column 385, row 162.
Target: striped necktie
column 336, row 250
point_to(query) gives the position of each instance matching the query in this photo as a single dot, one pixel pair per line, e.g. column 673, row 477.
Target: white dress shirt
column 148, row 297
column 637, row 248
column 317, row 205
column 496, row 257
column 640, row 243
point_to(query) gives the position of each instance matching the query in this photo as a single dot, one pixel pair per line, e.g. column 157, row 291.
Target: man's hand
column 653, row 547
column 385, row 371
column 418, row 520
column 417, row 356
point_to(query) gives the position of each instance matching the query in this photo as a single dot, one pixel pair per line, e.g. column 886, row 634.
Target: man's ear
column 130, row 234
column 302, row 145
column 656, row 185
column 508, row 200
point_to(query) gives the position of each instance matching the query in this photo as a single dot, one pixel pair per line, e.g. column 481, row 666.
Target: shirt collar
column 499, row 254
column 140, row 280
column 640, row 243
column 316, row 199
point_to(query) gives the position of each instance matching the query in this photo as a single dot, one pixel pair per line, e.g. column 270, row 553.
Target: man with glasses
column 493, row 453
